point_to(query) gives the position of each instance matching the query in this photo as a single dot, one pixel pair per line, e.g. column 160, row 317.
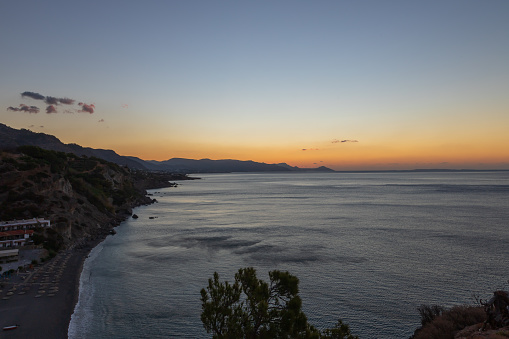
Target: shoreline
column 88, row 248
column 42, row 305
column 41, row 301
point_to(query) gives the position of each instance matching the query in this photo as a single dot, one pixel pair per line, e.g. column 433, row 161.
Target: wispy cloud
column 24, row 108
column 55, row 101
column 66, row 101
column 336, row 141
column 310, row 149
column 102, row 120
column 52, row 103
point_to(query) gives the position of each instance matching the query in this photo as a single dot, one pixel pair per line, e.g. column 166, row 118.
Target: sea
column 368, row 248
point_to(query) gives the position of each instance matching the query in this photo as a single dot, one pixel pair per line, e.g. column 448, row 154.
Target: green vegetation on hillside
column 88, row 176
column 82, row 196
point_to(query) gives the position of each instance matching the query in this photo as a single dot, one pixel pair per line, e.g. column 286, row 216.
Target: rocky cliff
column 83, row 197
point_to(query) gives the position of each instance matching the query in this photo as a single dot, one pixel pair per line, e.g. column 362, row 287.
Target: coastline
column 43, row 304
column 83, row 208
column 41, row 301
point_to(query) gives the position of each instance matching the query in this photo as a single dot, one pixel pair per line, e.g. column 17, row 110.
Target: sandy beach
column 42, row 300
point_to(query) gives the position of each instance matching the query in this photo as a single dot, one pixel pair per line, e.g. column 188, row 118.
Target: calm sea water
column 367, row 247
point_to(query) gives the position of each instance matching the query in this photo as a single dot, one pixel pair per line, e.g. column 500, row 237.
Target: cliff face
column 83, row 197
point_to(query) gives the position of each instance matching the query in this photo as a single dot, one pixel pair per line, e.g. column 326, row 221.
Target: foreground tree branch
column 253, row 308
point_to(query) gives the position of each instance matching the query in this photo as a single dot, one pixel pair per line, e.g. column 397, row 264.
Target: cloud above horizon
column 24, row 108
column 52, row 103
column 87, row 108
column 51, row 109
column 336, row 141
column 66, row 101
column 33, row 95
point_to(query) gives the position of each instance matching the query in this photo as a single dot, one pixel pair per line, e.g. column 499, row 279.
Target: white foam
column 82, row 316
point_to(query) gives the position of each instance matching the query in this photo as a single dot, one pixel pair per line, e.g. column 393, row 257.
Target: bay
column 368, row 248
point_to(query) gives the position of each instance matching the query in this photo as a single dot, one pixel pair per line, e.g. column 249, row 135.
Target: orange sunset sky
column 351, row 85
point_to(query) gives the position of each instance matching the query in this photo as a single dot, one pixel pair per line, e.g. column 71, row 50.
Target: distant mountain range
column 11, row 138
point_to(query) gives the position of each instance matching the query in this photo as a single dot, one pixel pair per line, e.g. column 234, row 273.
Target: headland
column 85, row 198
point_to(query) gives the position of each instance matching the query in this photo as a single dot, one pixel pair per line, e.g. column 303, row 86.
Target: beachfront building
column 24, row 224
column 7, row 256
column 15, row 238
column 16, row 233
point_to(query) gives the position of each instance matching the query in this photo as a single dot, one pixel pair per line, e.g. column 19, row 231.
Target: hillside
column 83, row 197
column 10, row 138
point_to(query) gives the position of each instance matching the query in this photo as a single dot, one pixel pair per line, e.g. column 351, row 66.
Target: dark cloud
column 51, row 101
column 48, row 99
column 349, row 141
column 66, row 101
column 56, row 101
column 24, row 108
column 31, row 109
column 85, row 108
column 310, row 149
column 102, row 120
column 33, row 95
column 51, row 109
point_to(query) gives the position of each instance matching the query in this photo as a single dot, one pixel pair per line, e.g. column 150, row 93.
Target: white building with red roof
column 17, row 233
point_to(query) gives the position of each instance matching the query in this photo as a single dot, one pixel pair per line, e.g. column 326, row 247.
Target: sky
column 351, row 85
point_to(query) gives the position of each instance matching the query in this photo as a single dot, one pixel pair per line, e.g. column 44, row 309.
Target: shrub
column 451, row 321
column 429, row 313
